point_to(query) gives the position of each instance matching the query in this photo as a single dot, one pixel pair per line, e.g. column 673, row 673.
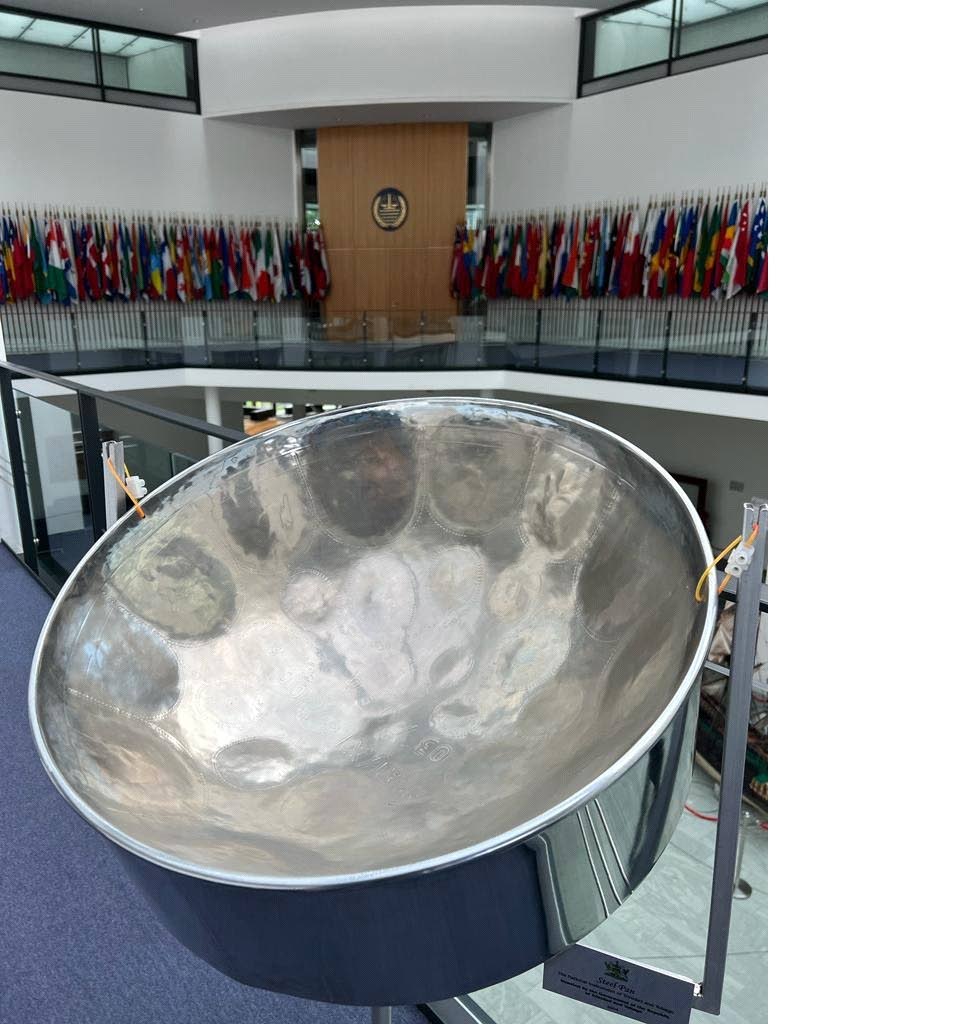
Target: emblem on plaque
column 615, row 970
column 389, row 209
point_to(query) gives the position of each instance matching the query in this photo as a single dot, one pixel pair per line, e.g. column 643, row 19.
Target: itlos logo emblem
column 389, row 209
column 615, row 970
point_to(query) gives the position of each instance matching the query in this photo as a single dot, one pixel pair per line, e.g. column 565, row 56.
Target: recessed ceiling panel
column 115, row 42
column 13, row 25
column 57, row 33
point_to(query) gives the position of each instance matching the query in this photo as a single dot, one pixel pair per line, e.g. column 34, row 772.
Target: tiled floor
column 664, row 924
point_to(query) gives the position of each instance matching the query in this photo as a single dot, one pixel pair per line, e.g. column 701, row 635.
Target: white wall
column 390, row 54
column 697, row 130
column 81, row 152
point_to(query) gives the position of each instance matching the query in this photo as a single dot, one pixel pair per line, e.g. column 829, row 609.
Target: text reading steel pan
column 388, row 705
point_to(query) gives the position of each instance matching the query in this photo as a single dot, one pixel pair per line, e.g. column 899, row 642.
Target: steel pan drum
column 387, row 705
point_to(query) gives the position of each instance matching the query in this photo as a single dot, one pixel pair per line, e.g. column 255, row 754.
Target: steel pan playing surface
column 387, row 640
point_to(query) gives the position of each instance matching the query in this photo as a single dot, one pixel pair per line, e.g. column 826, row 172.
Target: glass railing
column 699, row 343
column 650, row 39
column 45, row 53
column 54, row 432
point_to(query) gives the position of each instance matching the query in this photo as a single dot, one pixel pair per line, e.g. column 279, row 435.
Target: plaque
column 389, row 209
column 621, row 986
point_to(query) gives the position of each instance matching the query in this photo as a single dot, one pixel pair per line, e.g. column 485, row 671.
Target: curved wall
column 390, row 55
column 64, row 151
column 703, row 129
column 699, row 130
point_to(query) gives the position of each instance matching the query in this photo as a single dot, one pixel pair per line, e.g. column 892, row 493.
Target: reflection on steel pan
column 388, row 705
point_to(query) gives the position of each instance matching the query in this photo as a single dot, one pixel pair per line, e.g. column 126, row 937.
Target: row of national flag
column 699, row 247
column 51, row 257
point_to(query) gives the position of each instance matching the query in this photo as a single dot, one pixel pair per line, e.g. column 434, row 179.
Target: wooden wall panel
column 338, row 214
column 447, row 157
column 346, row 279
column 406, row 273
column 372, row 281
column 406, row 269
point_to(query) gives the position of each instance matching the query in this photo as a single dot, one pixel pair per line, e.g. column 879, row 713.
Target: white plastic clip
column 137, row 485
column 739, row 560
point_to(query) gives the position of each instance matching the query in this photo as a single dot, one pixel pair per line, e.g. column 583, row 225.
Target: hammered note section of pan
column 371, row 640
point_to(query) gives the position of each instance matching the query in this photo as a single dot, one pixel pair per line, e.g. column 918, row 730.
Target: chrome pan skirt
column 388, row 705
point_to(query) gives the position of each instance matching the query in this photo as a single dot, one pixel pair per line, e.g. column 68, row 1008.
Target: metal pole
column 536, row 340
column 751, row 334
column 666, row 344
column 20, row 492
column 115, row 500
column 145, row 337
column 213, row 414
column 206, row 340
column 742, row 658
column 75, row 334
column 363, row 325
column 380, row 1015
column 596, row 340
column 741, row 890
column 93, row 462
column 310, row 332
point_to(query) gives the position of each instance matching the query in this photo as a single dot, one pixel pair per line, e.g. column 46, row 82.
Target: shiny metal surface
column 390, row 704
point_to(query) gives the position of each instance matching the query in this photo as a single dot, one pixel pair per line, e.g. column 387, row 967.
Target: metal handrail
column 87, row 398
column 17, row 371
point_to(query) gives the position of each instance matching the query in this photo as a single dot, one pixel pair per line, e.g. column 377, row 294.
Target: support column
column 212, row 414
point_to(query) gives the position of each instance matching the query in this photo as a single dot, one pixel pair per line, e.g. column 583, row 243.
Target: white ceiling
column 192, row 15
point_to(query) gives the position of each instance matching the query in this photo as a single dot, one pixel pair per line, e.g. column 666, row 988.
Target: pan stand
column 747, row 591
column 729, row 849
column 742, row 889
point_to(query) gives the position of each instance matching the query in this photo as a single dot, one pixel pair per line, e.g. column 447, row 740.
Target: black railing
column 700, row 343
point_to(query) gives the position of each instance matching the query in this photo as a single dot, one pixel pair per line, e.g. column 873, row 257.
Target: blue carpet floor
column 78, row 945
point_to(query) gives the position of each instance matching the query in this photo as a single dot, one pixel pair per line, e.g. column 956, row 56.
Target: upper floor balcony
column 677, row 342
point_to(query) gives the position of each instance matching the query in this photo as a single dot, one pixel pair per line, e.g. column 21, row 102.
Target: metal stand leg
column 114, row 498
column 380, row 1015
column 741, row 890
column 727, row 851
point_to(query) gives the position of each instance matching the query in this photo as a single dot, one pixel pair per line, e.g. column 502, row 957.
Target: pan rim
column 511, row 837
